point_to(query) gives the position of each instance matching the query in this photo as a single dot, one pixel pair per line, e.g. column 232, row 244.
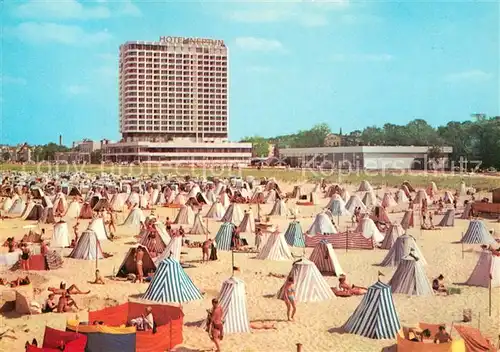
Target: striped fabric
column 408, row 220
column 171, row 284
column 325, row 259
column 352, row 240
column 97, row 225
column 232, row 299
column 294, row 236
column 467, row 211
column 322, row 225
column 376, row 316
column 310, row 285
column 279, row 208
column 185, row 216
column 275, row 248
column 152, row 240
column 198, row 227
column 224, row 235
column 487, row 268
column 392, row 234
column 403, row 246
column 477, row 233
column 88, row 247
column 233, row 214
column 410, row 279
column 172, row 250
column 448, row 219
column 247, row 225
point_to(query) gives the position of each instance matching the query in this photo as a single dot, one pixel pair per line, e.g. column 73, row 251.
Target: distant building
column 363, row 157
column 72, row 157
column 81, row 151
column 21, row 153
column 333, row 140
column 86, row 146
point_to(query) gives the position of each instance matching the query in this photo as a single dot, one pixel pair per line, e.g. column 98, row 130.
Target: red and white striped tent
column 351, row 240
column 325, row 259
column 247, row 225
column 154, row 239
column 310, row 285
column 275, row 248
column 380, row 214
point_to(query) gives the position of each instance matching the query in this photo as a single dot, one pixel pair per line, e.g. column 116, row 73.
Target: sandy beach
column 317, row 325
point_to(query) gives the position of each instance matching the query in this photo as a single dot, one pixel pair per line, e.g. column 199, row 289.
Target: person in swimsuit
column 442, row 336
column 25, row 256
column 168, row 224
column 139, row 254
column 73, row 290
column 112, row 220
column 205, row 248
column 50, row 304
column 291, row 307
column 258, row 238
column 215, row 324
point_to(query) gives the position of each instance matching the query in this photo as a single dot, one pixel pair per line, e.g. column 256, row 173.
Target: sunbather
column 438, row 285
column 73, row 289
column 442, row 336
column 98, row 278
column 352, row 289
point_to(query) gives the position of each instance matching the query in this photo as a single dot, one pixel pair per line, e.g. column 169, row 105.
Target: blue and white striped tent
column 376, row 316
column 224, row 235
column 171, row 284
column 294, row 235
column 477, row 233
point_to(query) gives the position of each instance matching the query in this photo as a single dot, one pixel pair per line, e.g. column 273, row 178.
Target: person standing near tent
column 112, row 222
column 215, row 324
column 289, row 296
column 75, row 231
column 258, row 238
column 205, row 248
column 139, row 254
column 25, row 257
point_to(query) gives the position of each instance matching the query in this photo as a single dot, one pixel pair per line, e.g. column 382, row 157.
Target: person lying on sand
column 438, row 285
column 72, row 290
column 98, row 278
column 352, row 289
column 20, row 281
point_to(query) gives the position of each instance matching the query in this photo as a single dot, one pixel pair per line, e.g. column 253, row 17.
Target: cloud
column 59, row 10
column 259, row 44
column 468, row 76
column 362, row 57
column 18, row 81
column 129, row 9
column 40, row 33
column 75, row 89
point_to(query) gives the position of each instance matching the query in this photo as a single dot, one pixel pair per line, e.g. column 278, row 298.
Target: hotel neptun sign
column 195, row 41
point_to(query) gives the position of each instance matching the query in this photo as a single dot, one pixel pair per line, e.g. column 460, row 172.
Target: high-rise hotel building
column 173, row 103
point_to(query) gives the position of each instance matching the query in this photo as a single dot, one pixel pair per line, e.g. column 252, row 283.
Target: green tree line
column 475, row 139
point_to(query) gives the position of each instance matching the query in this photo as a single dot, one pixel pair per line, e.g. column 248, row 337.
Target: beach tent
column 185, row 216
column 487, row 268
column 310, row 285
column 448, row 219
column 353, row 203
column 370, row 200
column 404, row 344
column 448, row 197
column 345, row 194
column 325, row 259
column 402, row 248
column 408, row 220
column 153, row 240
column 233, row 214
column 198, row 227
column 179, row 199
column 17, row 207
column 376, row 315
column 337, row 207
column 173, row 249
column 380, row 214
column 279, row 208
column 313, row 198
column 247, row 225
column 168, row 322
column 271, row 197
column 275, row 248
column 392, row 234
column 73, row 341
column 224, row 236
column 294, row 235
column 7, row 204
column 27, row 209
column 97, row 225
column 232, row 300
column 48, row 216
column 134, row 199
column 88, row 247
column 367, row 228
column 118, row 201
column 257, row 198
column 467, row 213
column 432, row 189
column 74, row 192
column 216, row 211
column 50, row 261
column 102, row 204
column 134, row 218
column 36, row 213
column 74, row 209
column 60, row 236
column 60, row 204
column 388, row 201
column 410, row 279
column 477, row 233
column 296, row 193
column 365, row 186
column 407, row 185
column 401, row 197
column 171, row 284
column 351, row 240
column 321, row 225
column 420, row 197
column 210, row 196
column 86, row 211
column 224, row 199
column 128, row 265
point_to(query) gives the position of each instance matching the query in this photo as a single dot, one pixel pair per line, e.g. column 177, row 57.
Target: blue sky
column 292, row 64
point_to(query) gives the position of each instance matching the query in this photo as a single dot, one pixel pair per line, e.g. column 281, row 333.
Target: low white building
column 365, row 157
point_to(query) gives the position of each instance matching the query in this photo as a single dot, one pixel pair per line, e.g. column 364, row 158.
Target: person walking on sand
column 139, row 254
column 289, row 296
column 215, row 324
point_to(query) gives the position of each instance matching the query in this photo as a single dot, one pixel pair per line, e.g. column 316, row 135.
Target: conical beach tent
column 248, row 223
column 153, row 241
column 294, row 235
column 275, row 248
column 310, row 285
column 370, row 200
column 353, row 203
column 60, row 237
column 185, row 216
column 448, row 219
column 487, row 268
column 97, row 225
column 376, row 316
column 401, row 197
column 325, row 259
column 322, row 225
column 337, row 207
column 232, row 300
column 408, row 220
column 477, row 233
column 402, row 248
column 233, row 214
column 224, row 235
column 88, row 247
column 279, row 208
column 171, row 284
column 129, row 265
column 216, row 211
column 198, row 227
column 388, row 201
column 368, row 229
column 74, row 209
column 134, row 218
column 365, row 186
column 410, row 279
column 392, row 234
